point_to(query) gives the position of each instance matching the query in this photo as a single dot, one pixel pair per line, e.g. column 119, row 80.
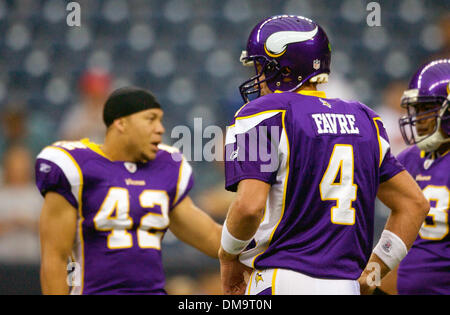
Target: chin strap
column 433, row 142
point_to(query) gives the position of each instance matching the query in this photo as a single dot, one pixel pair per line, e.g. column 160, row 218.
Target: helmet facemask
column 270, row 68
column 414, row 127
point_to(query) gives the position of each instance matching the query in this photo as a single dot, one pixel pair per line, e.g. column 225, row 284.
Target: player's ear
column 120, row 124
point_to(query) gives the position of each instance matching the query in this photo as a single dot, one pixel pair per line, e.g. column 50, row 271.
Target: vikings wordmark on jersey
column 123, row 212
column 319, row 214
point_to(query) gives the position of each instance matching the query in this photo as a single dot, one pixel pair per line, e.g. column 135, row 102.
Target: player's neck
column 115, row 150
column 308, row 87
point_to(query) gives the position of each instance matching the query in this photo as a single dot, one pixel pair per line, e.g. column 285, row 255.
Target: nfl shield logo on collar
column 131, row 167
column 427, row 163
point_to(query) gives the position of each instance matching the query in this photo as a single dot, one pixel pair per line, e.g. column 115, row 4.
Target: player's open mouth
column 155, row 145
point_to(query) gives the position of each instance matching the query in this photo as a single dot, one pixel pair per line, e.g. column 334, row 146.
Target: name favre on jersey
column 327, row 123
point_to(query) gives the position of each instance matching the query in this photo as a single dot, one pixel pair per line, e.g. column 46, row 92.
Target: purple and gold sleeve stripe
column 68, row 166
column 389, row 165
column 185, row 181
column 383, row 140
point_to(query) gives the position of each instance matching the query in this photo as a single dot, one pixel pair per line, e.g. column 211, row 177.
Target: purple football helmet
column 429, row 86
column 289, row 50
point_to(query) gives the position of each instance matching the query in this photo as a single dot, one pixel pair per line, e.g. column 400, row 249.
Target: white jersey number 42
column 152, row 225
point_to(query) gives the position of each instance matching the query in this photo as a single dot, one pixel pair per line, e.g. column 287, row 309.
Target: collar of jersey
column 309, row 93
column 433, row 155
column 94, row 147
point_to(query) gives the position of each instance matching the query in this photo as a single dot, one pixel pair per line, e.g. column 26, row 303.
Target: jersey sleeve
column 56, row 171
column 402, row 157
column 251, row 148
column 185, row 181
column 389, row 165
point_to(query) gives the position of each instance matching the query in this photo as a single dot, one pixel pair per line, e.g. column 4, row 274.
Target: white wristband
column 390, row 249
column 231, row 244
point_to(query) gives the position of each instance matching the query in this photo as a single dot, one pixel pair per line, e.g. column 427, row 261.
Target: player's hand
column 365, row 288
column 370, row 278
column 232, row 273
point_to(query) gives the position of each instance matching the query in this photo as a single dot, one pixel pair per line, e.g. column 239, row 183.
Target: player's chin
column 150, row 154
column 423, row 132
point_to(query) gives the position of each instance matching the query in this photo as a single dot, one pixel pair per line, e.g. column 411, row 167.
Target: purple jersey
column 123, row 212
column 426, row 268
column 326, row 159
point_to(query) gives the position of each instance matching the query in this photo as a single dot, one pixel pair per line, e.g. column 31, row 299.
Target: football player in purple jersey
column 108, row 206
column 426, row 127
column 307, row 170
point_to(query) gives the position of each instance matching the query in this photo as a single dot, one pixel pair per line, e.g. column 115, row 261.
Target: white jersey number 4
column 343, row 191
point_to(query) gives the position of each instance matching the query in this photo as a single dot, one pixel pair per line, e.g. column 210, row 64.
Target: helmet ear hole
column 286, row 71
column 271, row 67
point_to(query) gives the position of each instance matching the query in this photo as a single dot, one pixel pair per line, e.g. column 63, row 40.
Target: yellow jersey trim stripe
column 321, row 94
column 379, row 139
column 284, row 191
column 94, row 147
column 274, row 277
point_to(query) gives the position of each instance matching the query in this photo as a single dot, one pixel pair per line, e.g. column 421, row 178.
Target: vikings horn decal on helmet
column 289, row 51
column 430, row 85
